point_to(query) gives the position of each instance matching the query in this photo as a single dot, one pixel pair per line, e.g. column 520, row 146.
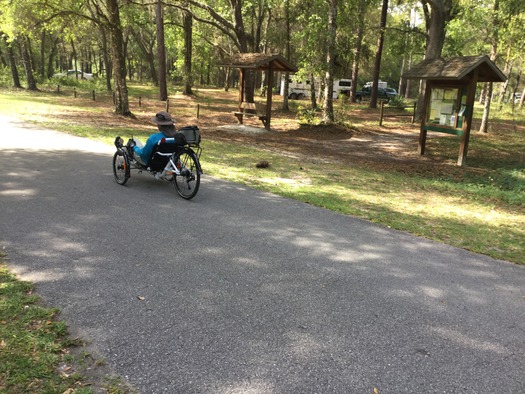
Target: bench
column 399, row 112
column 251, row 109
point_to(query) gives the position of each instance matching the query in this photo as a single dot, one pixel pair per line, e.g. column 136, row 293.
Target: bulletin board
column 446, row 109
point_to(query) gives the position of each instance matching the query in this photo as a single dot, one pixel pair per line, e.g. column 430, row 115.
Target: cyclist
column 166, row 126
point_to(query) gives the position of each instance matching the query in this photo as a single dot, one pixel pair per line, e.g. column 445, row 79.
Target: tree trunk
column 161, row 51
column 12, row 63
column 436, row 18
column 328, row 105
column 357, row 49
column 43, row 54
column 313, row 96
column 51, row 57
column 484, row 127
column 28, row 65
column 74, row 56
column 520, row 106
column 108, row 64
column 148, row 50
column 379, row 54
column 3, row 60
column 286, row 87
column 408, row 81
column 188, row 41
column 119, row 59
column 506, row 71
column 440, row 14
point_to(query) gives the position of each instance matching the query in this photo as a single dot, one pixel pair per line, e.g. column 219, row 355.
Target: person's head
column 164, row 123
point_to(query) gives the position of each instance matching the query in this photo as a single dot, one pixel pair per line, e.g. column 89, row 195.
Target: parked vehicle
column 383, row 94
column 74, row 74
column 343, row 86
column 391, row 92
column 298, row 90
column 380, row 84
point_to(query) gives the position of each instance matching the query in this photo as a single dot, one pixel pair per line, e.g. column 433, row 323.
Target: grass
column 36, row 353
column 466, row 211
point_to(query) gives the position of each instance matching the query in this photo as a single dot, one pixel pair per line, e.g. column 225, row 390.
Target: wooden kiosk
column 449, row 95
column 260, row 62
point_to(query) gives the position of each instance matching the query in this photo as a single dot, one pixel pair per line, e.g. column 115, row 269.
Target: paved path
column 239, row 291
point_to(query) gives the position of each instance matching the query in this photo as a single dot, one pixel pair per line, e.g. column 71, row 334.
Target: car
column 391, row 92
column 517, row 97
column 383, row 94
column 74, row 74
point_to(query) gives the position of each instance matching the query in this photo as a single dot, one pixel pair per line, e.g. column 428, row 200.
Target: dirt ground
column 394, row 143
column 364, row 141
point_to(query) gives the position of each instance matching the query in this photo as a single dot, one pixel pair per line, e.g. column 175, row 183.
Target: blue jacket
column 145, row 152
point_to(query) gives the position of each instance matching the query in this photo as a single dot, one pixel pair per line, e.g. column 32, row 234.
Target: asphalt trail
column 240, row 291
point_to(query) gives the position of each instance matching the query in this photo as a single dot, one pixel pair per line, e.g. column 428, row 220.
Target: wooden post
column 467, row 122
column 414, row 113
column 167, row 105
column 241, row 93
column 93, row 95
column 198, row 110
column 241, row 88
column 422, row 131
column 381, row 113
column 269, row 97
column 75, row 92
column 58, row 88
column 140, row 101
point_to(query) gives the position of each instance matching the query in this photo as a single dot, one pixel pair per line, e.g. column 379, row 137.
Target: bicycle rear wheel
column 121, row 167
column 188, row 181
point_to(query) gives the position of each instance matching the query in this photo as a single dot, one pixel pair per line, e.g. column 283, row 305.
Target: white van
column 298, row 90
column 380, row 84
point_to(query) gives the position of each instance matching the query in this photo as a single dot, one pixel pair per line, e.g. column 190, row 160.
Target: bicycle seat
column 163, row 150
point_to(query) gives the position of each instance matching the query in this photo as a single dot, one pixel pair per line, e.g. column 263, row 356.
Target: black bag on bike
column 192, row 134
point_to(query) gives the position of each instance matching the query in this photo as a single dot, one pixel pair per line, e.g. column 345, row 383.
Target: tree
column 437, row 13
column 25, row 50
column 377, row 66
column 12, row 62
column 361, row 6
column 119, row 59
column 234, row 27
column 286, row 54
column 188, row 42
column 328, row 109
column 161, row 51
column 145, row 41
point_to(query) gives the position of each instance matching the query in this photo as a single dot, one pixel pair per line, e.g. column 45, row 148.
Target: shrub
column 397, row 101
column 307, row 116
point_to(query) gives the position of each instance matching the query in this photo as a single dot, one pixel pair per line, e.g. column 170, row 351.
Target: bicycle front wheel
column 121, row 167
column 188, row 181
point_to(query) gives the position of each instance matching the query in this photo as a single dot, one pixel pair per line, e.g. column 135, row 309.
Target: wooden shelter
column 260, row 62
column 450, row 93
